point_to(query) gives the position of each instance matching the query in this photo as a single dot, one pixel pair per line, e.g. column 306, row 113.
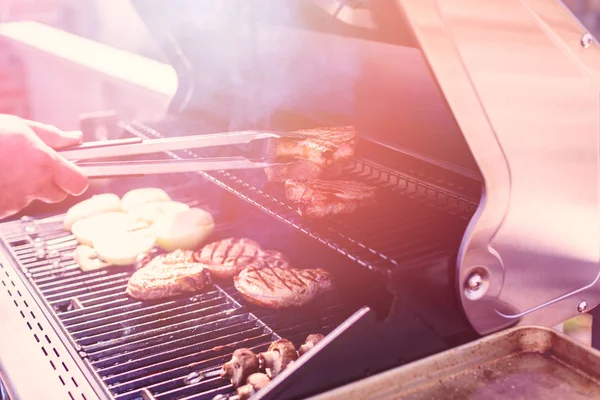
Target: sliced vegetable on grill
column 310, row 342
column 88, row 259
column 243, row 363
column 139, row 196
column 150, row 212
column 185, row 230
column 123, row 248
column 85, row 230
column 255, row 382
column 280, row 354
column 98, row 204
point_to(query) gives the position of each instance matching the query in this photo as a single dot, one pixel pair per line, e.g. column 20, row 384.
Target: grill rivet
column 586, row 40
column 474, row 282
column 582, row 307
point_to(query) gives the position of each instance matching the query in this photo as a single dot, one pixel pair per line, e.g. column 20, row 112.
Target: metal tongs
column 257, row 151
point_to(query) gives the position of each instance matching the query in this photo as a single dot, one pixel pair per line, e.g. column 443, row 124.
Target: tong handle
column 126, row 147
column 99, row 144
column 152, row 167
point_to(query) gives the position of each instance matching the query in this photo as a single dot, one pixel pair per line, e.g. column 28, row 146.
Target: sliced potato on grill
column 136, row 197
column 98, row 204
column 185, row 230
column 123, row 248
column 85, row 230
column 149, row 212
column 88, row 259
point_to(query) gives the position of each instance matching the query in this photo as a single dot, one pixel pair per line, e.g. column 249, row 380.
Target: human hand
column 29, row 167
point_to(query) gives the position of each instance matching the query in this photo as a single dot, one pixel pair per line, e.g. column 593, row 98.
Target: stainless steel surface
column 34, row 363
column 133, row 168
column 523, row 363
column 525, row 95
column 582, row 307
column 120, row 148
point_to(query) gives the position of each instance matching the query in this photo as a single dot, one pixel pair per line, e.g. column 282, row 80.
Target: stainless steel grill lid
column 503, row 89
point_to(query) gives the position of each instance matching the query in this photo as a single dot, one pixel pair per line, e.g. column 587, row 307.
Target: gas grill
column 460, row 243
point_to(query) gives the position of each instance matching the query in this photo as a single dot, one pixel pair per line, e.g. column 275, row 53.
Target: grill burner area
column 170, row 349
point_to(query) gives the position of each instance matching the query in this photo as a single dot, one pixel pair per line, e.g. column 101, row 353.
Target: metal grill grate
column 142, row 349
column 148, row 349
column 413, row 223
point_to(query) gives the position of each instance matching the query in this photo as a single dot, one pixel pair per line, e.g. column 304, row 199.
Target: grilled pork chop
column 282, row 287
column 317, row 198
column 226, row 258
column 324, row 154
column 168, row 275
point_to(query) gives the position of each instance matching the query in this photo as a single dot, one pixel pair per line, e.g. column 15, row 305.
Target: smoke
column 251, row 58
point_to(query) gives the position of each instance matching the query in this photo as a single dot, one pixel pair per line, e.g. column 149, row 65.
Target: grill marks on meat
column 168, row 275
column 282, row 287
column 318, row 198
column 322, row 146
column 226, row 258
column 323, row 153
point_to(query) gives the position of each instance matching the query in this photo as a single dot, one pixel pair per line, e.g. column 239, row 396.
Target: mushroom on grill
column 256, row 382
column 243, row 364
column 310, row 342
column 279, row 355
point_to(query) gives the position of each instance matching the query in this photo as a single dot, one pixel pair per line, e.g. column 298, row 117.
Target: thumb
column 69, row 177
column 54, row 137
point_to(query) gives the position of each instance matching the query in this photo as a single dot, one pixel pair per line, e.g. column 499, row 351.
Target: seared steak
column 281, row 287
column 317, row 198
column 303, row 170
column 225, row 258
column 324, row 152
column 168, row 275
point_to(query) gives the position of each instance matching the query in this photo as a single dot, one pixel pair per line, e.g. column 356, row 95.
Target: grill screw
column 582, row 307
column 586, row 40
column 474, row 282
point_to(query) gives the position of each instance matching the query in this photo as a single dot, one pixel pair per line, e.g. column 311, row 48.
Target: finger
column 69, row 177
column 53, row 136
column 52, row 194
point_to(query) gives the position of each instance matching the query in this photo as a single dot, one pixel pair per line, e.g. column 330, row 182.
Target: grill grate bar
column 105, row 313
column 222, row 326
column 126, row 371
column 120, row 283
column 129, row 388
column 91, row 336
column 158, row 355
column 80, row 282
column 131, row 318
column 131, row 338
